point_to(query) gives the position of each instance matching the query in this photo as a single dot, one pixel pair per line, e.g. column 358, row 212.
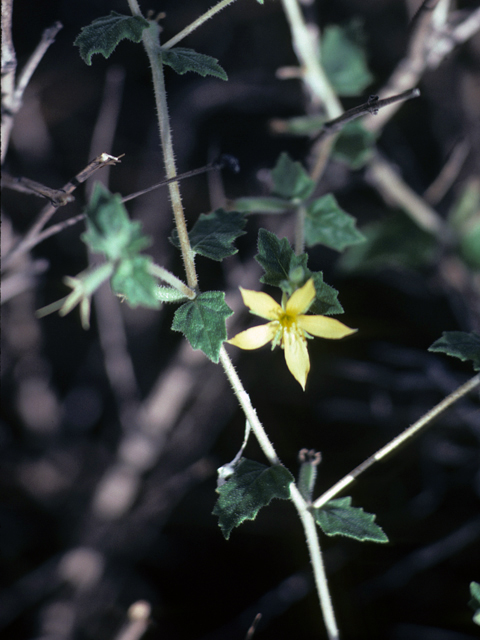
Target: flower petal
column 255, row 337
column 301, row 300
column 324, row 327
column 296, row 356
column 261, row 304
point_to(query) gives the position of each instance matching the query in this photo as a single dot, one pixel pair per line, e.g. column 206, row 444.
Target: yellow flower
column 288, row 326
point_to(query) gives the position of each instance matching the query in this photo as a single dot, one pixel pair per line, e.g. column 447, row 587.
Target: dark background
column 71, row 569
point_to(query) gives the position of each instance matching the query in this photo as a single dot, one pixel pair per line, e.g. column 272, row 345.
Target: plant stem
column 321, row 582
column 173, row 281
column 313, row 73
column 300, row 230
column 151, row 43
column 425, row 421
column 246, row 404
column 196, row 23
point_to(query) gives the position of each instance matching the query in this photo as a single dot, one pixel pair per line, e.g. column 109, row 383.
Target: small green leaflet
column 326, row 223
column 202, row 321
column 475, row 601
column 133, row 280
column 459, row 344
column 290, row 180
column 251, row 487
column 103, row 34
column 288, row 271
column 214, row 233
column 354, row 145
column 344, row 60
column 109, row 229
column 339, row 518
column 464, row 217
column 182, row 60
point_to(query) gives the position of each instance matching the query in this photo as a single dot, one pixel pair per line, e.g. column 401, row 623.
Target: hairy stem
column 173, row 281
column 321, row 582
column 246, row 404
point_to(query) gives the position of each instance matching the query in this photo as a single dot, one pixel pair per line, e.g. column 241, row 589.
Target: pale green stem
column 151, row 42
column 425, row 421
column 194, row 25
column 246, row 404
column 173, row 281
column 305, row 50
column 321, row 582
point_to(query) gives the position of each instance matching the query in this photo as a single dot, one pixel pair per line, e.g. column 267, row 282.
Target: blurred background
column 110, row 438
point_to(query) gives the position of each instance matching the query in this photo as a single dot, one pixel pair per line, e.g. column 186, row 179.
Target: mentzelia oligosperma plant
column 307, row 301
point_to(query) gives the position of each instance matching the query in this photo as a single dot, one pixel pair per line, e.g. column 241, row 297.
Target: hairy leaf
column 214, row 233
column 290, row 180
column 459, row 344
column 251, row 487
column 339, row 518
column 344, row 60
column 326, row 223
column 288, row 271
column 109, row 229
column 133, row 280
column 182, row 60
column 202, row 321
column 103, row 34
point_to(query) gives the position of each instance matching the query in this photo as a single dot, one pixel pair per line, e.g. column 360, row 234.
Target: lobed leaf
column 214, row 233
column 290, row 180
column 288, row 271
column 326, row 223
column 182, row 60
column 344, row 60
column 339, row 518
column 202, row 321
column 109, row 229
column 251, row 487
column 133, row 280
column 459, row 344
column 103, row 34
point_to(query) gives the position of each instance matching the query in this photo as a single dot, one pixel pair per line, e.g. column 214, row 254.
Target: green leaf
column 395, row 241
column 475, row 601
column 109, row 229
column 338, row 518
column 459, row 344
column 103, row 34
column 133, row 280
column 326, row 223
column 290, row 180
column 182, row 60
column 202, row 321
column 214, row 233
column 288, row 271
column 354, row 145
column 262, row 205
column 251, row 487
column 344, row 60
